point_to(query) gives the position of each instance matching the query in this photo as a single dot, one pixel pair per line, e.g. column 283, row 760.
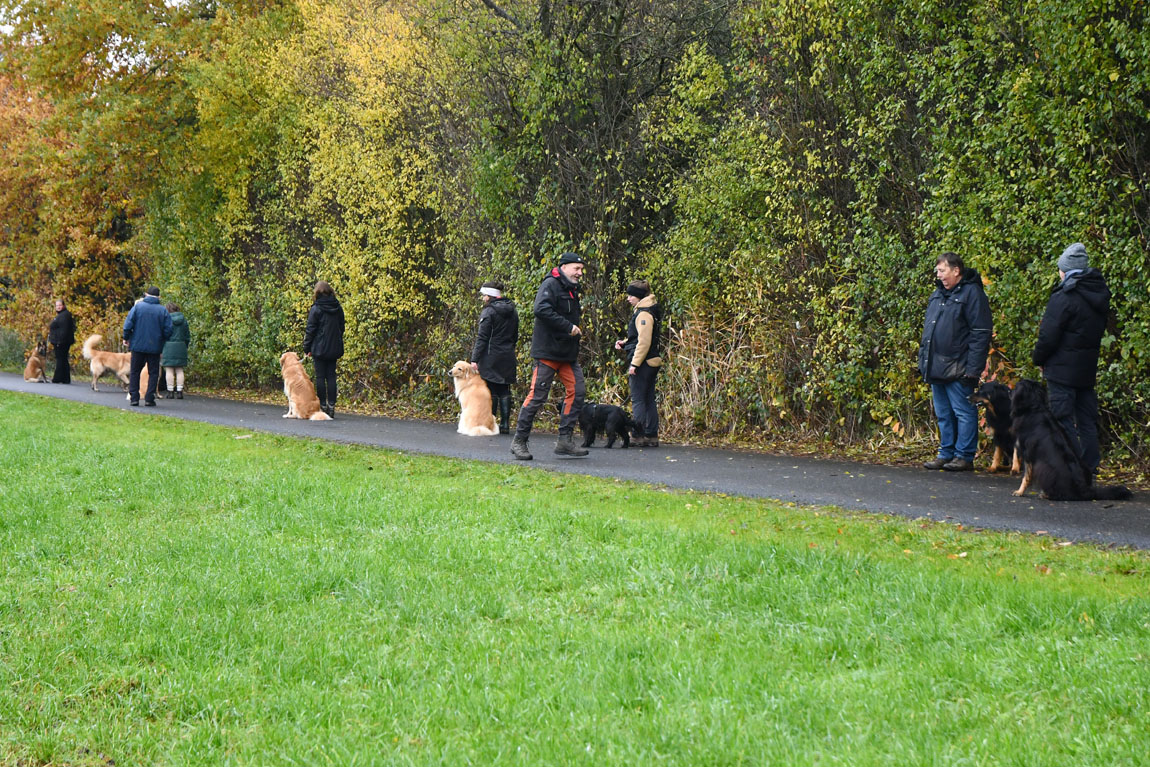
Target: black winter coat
column 557, row 310
column 62, row 329
column 494, row 349
column 323, row 338
column 956, row 334
column 1071, row 332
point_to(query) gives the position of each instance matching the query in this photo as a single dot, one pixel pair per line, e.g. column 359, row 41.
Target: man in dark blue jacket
column 1069, row 340
column 555, row 349
column 951, row 355
column 146, row 329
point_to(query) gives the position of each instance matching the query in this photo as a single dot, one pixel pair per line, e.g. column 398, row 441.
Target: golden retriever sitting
column 302, row 400
column 117, row 363
column 475, row 416
column 34, row 370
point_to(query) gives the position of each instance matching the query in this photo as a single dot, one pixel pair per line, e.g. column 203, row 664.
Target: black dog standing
column 612, row 420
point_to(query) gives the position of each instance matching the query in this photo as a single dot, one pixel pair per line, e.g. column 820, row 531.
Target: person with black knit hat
column 555, row 349
column 493, row 355
column 1069, row 341
column 643, row 346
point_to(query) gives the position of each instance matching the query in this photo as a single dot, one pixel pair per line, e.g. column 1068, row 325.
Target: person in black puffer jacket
column 555, row 349
column 62, row 334
column 493, row 355
column 323, row 342
column 1069, row 341
column 951, row 356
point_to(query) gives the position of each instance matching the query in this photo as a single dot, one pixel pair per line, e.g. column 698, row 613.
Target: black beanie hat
column 571, row 258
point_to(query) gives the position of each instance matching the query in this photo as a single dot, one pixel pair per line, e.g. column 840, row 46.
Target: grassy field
column 173, row 593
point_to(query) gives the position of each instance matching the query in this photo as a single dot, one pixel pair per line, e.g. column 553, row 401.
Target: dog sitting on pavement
column 995, row 398
column 475, row 417
column 303, row 402
column 1047, row 453
column 612, row 420
column 34, row 370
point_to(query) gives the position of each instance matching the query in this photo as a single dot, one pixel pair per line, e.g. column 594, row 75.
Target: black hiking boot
column 519, row 449
column 565, row 445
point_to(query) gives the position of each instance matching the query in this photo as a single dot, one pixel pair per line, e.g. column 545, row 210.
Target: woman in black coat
column 493, row 355
column 62, row 334
column 323, row 342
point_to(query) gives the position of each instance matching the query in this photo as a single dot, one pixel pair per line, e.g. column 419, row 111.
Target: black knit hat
column 152, row 291
column 571, row 258
column 639, row 289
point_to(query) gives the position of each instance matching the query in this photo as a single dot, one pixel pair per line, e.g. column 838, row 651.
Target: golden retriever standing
column 34, row 370
column 475, row 416
column 302, row 400
column 117, row 363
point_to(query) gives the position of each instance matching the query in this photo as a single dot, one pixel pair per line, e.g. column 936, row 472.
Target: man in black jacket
column 1069, row 340
column 951, row 355
column 62, row 334
column 555, row 349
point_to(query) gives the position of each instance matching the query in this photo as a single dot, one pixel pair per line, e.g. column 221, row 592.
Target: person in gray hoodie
column 1069, row 341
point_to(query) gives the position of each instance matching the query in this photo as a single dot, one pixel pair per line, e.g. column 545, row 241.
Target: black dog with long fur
column 1046, row 451
column 612, row 420
column 995, row 398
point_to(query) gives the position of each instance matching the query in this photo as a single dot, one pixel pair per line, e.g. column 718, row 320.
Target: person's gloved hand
column 970, row 381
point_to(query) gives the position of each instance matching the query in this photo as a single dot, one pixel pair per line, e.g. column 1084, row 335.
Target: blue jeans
column 957, row 420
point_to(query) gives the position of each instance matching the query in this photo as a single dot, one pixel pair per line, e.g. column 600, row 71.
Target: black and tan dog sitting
column 34, row 370
column 995, row 397
column 1048, row 455
column 612, row 420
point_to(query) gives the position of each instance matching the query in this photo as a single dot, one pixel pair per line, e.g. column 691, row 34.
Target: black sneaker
column 135, row 403
column 936, row 464
column 148, row 403
column 959, row 464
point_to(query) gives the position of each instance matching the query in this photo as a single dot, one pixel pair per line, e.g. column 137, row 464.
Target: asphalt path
column 971, row 499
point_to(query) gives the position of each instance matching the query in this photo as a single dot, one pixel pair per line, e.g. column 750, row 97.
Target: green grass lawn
column 173, row 593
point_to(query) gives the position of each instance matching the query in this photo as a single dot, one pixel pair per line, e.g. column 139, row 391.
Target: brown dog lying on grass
column 34, row 370
column 302, row 400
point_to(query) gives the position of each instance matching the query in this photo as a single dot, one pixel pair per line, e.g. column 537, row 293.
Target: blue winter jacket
column 148, row 326
column 956, row 334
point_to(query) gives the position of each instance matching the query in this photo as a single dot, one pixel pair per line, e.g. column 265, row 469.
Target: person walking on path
column 493, row 355
column 62, row 334
column 174, row 357
column 1069, row 340
column 555, row 349
column 146, row 329
column 643, row 346
column 323, row 342
column 951, row 356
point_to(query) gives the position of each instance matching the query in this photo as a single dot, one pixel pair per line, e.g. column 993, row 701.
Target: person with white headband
column 493, row 355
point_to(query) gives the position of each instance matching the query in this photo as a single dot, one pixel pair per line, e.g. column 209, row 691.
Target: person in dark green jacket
column 174, row 357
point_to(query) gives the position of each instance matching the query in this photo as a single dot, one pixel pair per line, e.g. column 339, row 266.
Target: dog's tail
column 1111, row 493
column 319, row 415
column 92, row 342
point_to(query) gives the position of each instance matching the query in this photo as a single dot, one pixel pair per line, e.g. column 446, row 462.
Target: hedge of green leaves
column 784, row 172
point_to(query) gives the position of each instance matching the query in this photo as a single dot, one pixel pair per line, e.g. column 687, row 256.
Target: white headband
column 493, row 292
